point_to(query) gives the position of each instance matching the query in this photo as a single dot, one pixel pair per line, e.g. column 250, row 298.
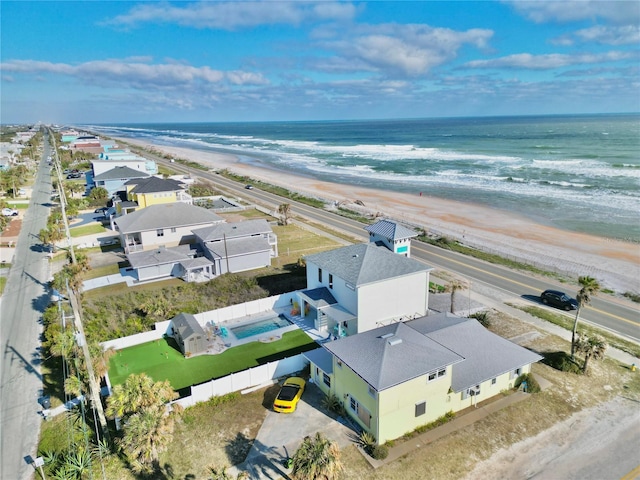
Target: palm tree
column 453, row 287
column 592, row 347
column 285, row 213
column 138, row 393
column 317, row 458
column 148, row 429
column 146, row 435
column 590, row 287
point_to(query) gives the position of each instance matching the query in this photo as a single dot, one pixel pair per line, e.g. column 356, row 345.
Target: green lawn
column 86, row 230
column 161, row 360
column 3, row 282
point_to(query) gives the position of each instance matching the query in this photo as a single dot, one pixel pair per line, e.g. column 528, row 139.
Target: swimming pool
column 260, row 326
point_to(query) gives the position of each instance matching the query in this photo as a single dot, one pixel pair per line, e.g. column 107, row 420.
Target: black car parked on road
column 558, row 299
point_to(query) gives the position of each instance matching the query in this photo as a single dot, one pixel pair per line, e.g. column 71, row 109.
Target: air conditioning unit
column 474, row 391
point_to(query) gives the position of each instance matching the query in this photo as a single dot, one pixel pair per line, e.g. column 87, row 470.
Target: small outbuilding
column 189, row 334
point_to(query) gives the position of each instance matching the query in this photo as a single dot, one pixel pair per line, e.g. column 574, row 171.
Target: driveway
column 281, row 434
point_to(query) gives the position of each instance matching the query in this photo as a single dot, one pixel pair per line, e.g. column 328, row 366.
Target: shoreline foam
column 615, row 264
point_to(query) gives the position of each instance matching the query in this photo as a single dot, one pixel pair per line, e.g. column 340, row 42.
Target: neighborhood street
column 25, row 297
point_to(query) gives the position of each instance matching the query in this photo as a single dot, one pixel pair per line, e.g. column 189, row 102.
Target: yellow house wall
column 487, row 390
column 397, row 405
column 147, row 199
column 346, row 384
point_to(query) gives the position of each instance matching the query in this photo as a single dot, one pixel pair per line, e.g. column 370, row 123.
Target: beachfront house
column 395, row 378
column 99, row 167
column 391, row 235
column 166, row 224
column 239, row 246
column 114, row 180
column 188, row 334
column 361, row 287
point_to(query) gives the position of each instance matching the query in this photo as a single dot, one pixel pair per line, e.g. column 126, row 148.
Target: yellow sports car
column 289, row 395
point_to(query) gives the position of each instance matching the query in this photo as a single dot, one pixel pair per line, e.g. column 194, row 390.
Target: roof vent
column 394, row 341
column 387, row 335
column 355, row 255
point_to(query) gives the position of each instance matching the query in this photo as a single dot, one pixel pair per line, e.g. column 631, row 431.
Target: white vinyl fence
column 252, row 377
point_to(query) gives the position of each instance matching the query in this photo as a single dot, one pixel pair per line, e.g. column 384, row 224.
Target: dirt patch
column 12, row 230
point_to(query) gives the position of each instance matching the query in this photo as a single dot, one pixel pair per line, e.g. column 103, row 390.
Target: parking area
column 281, row 434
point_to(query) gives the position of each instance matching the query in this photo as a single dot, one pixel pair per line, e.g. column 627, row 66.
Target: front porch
column 322, row 310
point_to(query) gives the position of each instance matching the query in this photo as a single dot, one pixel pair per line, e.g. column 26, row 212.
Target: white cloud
column 136, row 74
column 550, row 61
column 623, row 35
column 234, row 15
column 621, row 12
column 402, row 50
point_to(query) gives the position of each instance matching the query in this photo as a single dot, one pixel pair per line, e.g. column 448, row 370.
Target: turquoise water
column 259, row 327
column 579, row 173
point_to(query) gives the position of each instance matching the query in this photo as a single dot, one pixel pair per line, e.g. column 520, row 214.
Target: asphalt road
column 616, row 315
column 25, row 297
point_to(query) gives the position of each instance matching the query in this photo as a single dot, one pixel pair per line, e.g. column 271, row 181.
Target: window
column 442, row 373
column 421, row 408
column 320, row 275
column 173, row 229
column 363, row 413
column 493, row 381
column 330, row 280
column 515, row 373
column 326, row 379
column 431, row 377
column 160, row 232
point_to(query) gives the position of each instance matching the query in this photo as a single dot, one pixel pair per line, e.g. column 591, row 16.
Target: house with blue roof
column 397, row 377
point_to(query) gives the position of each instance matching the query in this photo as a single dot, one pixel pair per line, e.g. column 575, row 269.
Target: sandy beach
column 615, row 263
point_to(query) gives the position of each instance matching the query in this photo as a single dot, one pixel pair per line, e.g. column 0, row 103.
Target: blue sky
column 129, row 62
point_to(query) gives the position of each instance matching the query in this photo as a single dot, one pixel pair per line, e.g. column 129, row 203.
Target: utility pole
column 94, row 387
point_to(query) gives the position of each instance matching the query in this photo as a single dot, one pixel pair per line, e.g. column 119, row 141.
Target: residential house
column 166, row 224
column 392, row 235
column 154, row 191
column 184, row 261
column 114, row 180
column 239, row 246
column 188, row 334
column 395, row 378
column 361, row 287
column 101, row 166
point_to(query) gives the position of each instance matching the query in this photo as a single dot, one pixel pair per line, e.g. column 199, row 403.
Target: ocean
column 579, row 173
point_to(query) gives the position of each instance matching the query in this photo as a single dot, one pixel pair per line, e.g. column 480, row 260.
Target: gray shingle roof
column 365, row 263
column 162, row 256
column 239, row 246
column 187, row 325
column 120, row 173
column 154, row 185
column 486, row 354
column 233, row 230
column 167, row 215
column 391, row 355
column 391, row 230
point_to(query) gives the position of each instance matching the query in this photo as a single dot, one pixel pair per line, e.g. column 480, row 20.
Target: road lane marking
column 631, row 322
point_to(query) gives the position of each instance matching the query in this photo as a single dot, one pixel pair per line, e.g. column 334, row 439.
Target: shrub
column 483, row 318
column 367, row 441
column 332, row 403
column 561, row 361
column 532, row 384
column 379, row 452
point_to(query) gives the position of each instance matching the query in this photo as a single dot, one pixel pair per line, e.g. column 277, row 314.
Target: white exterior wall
column 102, row 166
column 387, row 301
column 346, row 297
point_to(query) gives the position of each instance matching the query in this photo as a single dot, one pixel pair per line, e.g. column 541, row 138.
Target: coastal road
column 616, row 315
column 25, row 298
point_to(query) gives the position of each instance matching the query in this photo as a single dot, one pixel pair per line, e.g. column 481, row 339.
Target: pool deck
column 298, row 322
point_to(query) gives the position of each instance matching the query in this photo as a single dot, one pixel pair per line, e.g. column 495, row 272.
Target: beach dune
column 614, row 263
